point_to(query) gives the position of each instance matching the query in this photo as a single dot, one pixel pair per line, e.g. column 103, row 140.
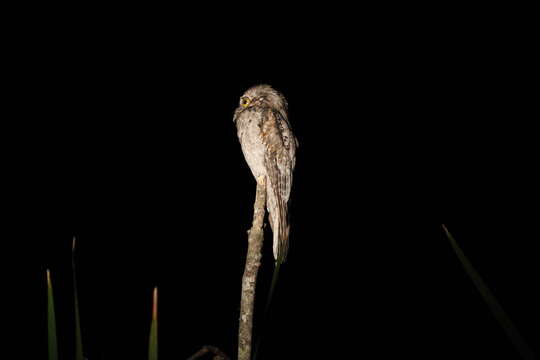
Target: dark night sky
column 138, row 157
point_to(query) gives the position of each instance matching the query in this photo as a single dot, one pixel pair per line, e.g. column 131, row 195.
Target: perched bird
column 269, row 147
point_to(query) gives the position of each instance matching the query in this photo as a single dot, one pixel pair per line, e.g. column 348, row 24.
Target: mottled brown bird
column 269, row 147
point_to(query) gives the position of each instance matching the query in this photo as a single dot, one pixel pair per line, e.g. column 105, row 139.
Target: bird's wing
column 280, row 153
column 289, row 140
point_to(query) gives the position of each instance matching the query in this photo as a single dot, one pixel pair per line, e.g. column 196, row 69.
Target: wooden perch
column 249, row 280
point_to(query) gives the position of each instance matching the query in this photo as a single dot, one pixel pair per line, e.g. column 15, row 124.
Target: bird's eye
column 244, row 101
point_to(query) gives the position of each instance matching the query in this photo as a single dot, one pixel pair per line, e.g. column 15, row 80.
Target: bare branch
column 249, row 280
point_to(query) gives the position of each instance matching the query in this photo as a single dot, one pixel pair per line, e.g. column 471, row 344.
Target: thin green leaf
column 78, row 336
column 51, row 321
column 153, row 345
column 491, row 301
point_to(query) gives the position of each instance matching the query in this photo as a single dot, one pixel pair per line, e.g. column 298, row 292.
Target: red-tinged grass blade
column 51, row 321
column 78, row 336
column 491, row 301
column 153, row 346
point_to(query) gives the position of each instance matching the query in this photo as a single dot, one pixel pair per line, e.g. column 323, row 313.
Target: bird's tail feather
column 501, row 316
column 280, row 231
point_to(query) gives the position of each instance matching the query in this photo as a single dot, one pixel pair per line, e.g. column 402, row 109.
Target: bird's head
column 261, row 96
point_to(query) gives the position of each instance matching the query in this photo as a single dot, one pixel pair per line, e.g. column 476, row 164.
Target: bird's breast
column 250, row 136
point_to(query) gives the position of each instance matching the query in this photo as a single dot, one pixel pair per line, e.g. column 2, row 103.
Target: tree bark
column 249, row 280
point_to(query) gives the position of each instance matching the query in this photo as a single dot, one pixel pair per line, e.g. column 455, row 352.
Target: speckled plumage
column 269, row 147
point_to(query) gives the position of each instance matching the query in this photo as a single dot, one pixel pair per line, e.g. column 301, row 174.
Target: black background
column 134, row 152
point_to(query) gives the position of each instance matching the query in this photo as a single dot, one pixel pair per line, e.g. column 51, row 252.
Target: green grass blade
column 153, row 345
column 78, row 336
column 491, row 301
column 51, row 321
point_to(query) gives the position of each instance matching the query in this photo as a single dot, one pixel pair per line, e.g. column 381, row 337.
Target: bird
column 269, row 148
